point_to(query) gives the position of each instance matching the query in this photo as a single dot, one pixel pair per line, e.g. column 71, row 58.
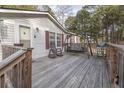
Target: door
column 25, row 36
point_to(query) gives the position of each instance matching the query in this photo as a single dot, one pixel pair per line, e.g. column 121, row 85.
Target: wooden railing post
column 28, row 68
column 2, row 80
column 29, row 54
column 114, row 64
column 115, row 58
column 16, row 68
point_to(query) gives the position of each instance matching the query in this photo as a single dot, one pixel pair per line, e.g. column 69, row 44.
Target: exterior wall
column 77, row 39
column 0, row 53
column 38, row 43
column 9, row 26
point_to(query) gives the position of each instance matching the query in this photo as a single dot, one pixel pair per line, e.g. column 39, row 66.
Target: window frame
column 60, row 40
column 3, row 29
column 52, row 39
column 29, row 28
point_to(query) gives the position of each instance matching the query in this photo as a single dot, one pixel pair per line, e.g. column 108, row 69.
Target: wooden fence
column 16, row 68
column 115, row 58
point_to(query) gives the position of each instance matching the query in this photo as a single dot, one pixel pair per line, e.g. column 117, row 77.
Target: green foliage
column 47, row 8
column 83, row 20
column 109, row 15
column 97, row 20
column 88, row 23
column 21, row 7
column 71, row 24
column 82, row 40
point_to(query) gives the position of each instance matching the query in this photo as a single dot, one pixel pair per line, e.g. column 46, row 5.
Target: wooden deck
column 70, row 71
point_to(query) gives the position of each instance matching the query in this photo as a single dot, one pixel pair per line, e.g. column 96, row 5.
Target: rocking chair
column 59, row 52
column 52, row 53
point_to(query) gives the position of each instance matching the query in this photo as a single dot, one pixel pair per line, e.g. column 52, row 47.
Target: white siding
column 8, row 25
column 0, row 53
column 38, row 43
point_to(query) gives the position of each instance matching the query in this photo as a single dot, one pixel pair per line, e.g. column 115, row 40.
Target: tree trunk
column 89, row 46
column 96, row 40
column 102, row 36
column 106, row 28
column 106, row 34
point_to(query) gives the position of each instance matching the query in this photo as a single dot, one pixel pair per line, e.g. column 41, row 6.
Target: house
column 38, row 30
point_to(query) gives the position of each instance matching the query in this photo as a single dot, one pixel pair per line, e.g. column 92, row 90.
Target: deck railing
column 115, row 58
column 16, row 68
column 8, row 50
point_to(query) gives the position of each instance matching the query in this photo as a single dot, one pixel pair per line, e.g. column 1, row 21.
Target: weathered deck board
column 70, row 71
column 73, row 78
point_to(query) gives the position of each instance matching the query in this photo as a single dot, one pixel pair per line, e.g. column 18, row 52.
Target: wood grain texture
column 16, row 70
column 70, row 71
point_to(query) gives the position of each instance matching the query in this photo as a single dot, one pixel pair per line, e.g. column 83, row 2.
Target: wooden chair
column 52, row 53
column 59, row 52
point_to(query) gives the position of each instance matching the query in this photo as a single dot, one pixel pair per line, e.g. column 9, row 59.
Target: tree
column 95, row 27
column 96, row 21
column 71, row 24
column 86, row 23
column 109, row 17
column 83, row 25
column 91, row 8
column 62, row 12
column 46, row 8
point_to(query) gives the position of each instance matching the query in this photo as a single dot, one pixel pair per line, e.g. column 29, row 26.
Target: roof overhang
column 73, row 34
column 15, row 14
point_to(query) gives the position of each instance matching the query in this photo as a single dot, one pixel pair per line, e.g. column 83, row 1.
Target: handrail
column 16, row 69
column 11, row 58
column 8, row 50
column 115, row 58
column 116, row 46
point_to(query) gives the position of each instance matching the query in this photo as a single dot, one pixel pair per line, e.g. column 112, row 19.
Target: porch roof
column 15, row 14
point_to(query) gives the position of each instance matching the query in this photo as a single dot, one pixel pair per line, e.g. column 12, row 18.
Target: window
column 3, row 30
column 51, row 40
column 59, row 39
column 25, row 36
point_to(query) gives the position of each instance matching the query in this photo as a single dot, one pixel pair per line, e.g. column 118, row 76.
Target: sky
column 75, row 8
